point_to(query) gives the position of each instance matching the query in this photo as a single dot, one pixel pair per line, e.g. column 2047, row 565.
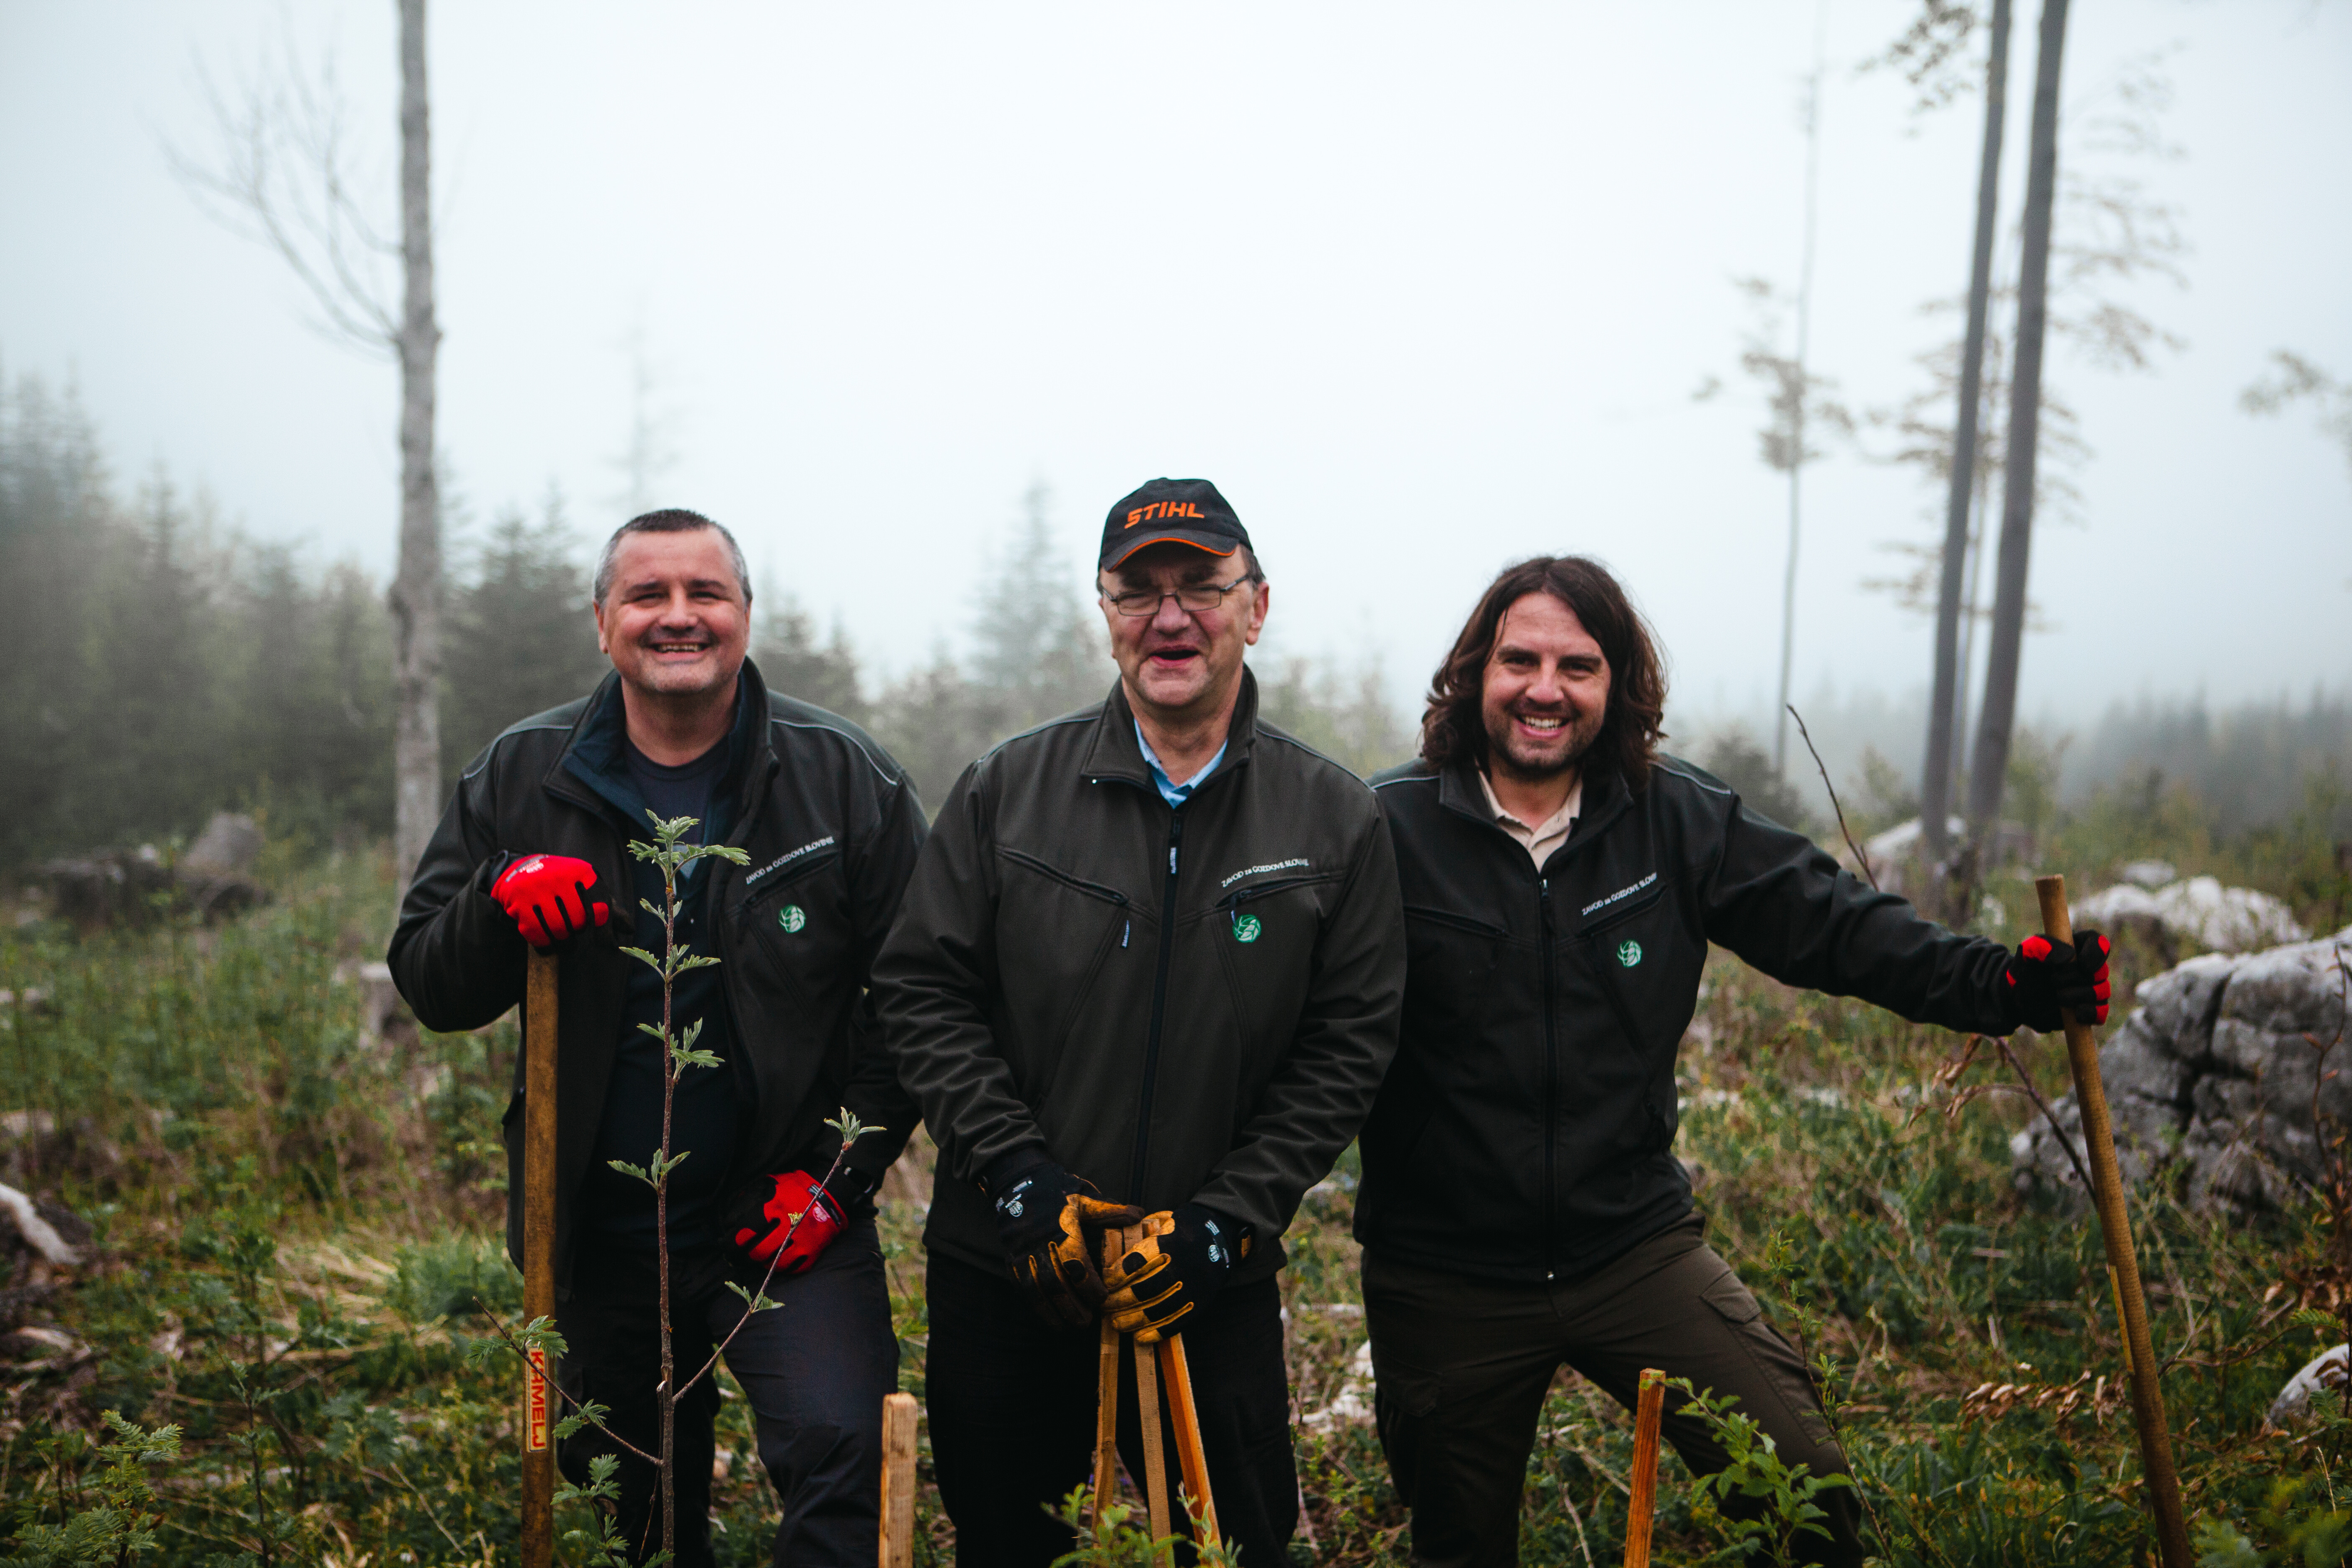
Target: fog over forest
column 906, row 302
column 176, row 667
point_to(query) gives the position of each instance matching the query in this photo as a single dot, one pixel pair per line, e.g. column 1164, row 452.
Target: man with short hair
column 1521, row 1206
column 1147, row 974
column 535, row 848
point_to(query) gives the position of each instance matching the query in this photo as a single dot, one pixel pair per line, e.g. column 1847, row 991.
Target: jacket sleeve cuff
column 1007, row 1169
column 1240, row 1230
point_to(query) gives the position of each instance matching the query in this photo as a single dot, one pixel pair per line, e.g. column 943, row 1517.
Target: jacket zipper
column 1159, row 1006
column 1093, row 889
column 1551, row 1070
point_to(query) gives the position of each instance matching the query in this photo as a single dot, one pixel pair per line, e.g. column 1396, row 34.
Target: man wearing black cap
column 1148, row 970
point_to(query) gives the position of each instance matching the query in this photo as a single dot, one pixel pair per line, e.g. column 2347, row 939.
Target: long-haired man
column 1521, row 1206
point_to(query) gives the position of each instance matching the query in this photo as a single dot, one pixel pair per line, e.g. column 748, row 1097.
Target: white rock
column 38, row 1233
column 2225, row 920
column 1353, row 1407
column 2323, row 1371
column 2112, row 906
column 1887, row 853
column 230, row 844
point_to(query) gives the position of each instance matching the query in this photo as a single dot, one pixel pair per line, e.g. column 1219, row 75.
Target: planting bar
column 1155, row 1454
column 2123, row 1258
column 1106, row 1423
column 538, row 1252
column 1189, row 1455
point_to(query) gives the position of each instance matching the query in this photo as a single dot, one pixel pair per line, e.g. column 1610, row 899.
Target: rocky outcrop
column 2199, row 911
column 2218, row 1077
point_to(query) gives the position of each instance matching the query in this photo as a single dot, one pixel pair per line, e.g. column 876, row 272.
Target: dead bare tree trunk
column 1990, row 763
column 416, row 587
column 1804, row 389
column 283, row 175
column 1944, row 717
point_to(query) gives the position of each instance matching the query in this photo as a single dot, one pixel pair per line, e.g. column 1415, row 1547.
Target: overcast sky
column 1422, row 289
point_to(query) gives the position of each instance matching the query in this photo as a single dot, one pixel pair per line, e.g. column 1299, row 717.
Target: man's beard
column 1503, row 748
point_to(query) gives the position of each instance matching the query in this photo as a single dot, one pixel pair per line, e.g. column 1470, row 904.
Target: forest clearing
column 293, row 1257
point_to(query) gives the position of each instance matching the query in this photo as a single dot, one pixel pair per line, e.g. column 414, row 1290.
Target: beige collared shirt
column 1545, row 835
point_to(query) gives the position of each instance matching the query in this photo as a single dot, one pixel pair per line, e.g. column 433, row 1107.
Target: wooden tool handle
column 2123, row 1258
column 1107, row 1422
column 539, row 1018
column 1155, row 1454
column 1147, row 1402
column 896, row 1547
column 1190, row 1455
column 1648, row 1410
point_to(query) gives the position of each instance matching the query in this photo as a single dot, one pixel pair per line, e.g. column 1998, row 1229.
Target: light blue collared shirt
column 1172, row 793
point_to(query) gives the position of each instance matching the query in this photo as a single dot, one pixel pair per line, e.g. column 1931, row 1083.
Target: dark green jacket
column 1178, row 1005
column 832, row 828
column 1526, row 1130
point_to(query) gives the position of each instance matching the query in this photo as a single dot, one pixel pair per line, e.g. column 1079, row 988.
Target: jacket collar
column 1605, row 799
column 593, row 748
column 1112, row 754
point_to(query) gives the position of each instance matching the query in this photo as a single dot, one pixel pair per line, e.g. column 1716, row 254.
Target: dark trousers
column 1013, row 1417
column 1464, row 1365
column 815, row 1371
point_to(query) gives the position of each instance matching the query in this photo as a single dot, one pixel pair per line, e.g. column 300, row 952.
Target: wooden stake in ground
column 1647, row 1413
column 1190, row 1455
column 2123, row 1260
column 897, row 1535
column 538, row 1252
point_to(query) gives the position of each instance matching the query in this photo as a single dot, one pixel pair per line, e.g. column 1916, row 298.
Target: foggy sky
column 1421, row 288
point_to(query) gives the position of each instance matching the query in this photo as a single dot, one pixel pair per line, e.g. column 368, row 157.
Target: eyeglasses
column 1192, row 598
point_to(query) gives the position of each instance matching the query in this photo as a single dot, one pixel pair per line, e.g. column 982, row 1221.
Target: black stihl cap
column 1190, row 511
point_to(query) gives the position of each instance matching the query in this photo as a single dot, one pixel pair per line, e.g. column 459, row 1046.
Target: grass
column 298, row 1237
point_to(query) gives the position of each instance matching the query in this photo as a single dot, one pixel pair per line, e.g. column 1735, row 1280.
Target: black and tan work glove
column 1180, row 1263
column 1052, row 1229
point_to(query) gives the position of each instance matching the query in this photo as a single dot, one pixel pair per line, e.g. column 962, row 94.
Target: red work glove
column 764, row 1216
column 548, row 896
column 2042, row 976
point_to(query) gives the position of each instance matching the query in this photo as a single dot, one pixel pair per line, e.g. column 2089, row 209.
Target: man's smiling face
column 1545, row 690
column 675, row 622
column 1176, row 661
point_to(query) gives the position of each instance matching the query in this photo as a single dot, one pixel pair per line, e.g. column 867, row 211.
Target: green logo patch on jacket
column 1247, row 928
column 791, row 917
column 1629, row 953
